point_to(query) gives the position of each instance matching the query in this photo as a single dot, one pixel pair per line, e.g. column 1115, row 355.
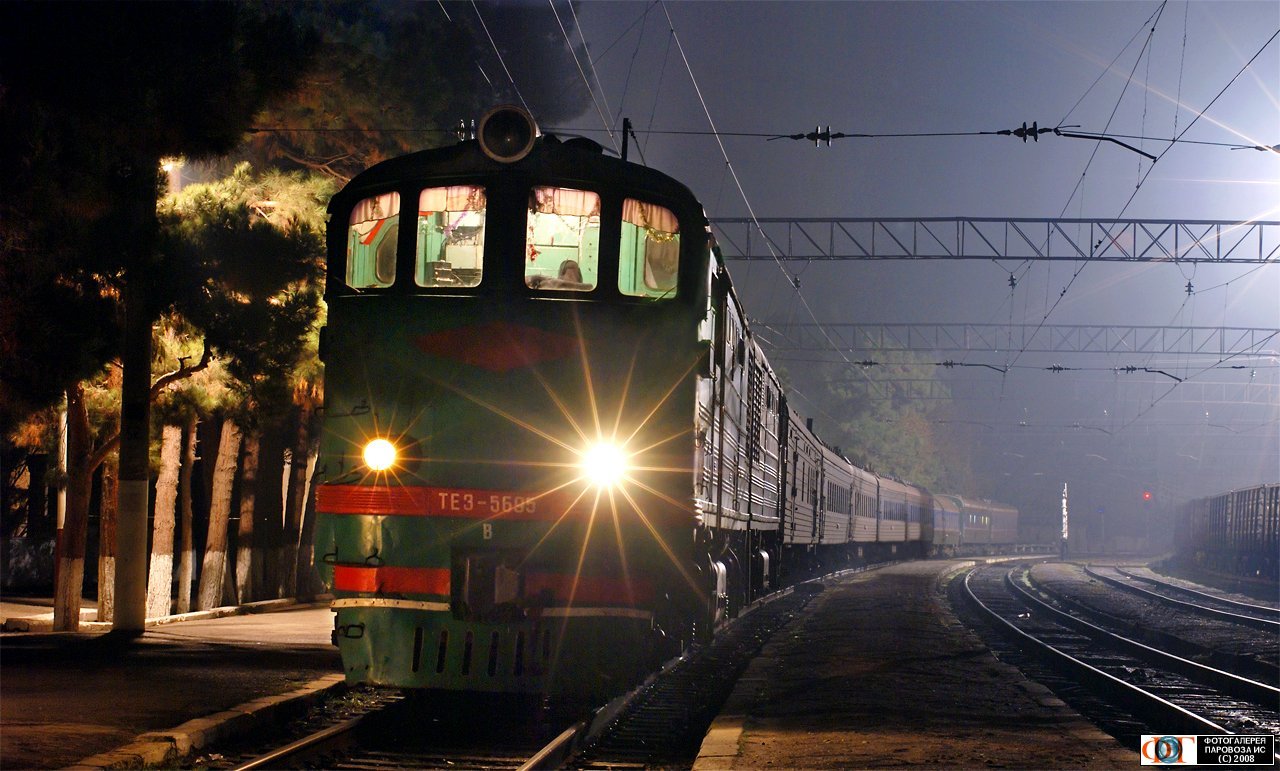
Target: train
column 553, row 453
column 1236, row 533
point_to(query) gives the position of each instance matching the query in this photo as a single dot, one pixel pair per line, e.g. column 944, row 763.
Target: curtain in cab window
column 562, row 245
column 650, row 250
column 371, row 242
column 450, row 240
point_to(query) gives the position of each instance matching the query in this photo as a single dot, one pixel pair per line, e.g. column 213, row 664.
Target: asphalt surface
column 98, row 700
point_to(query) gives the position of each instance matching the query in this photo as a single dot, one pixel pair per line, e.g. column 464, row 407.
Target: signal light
column 1146, row 495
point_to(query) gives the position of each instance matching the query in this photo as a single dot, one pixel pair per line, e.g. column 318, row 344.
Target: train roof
column 571, row 160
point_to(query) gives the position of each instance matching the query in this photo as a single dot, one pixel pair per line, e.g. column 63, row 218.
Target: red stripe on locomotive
column 553, row 588
column 391, row 579
column 419, row 501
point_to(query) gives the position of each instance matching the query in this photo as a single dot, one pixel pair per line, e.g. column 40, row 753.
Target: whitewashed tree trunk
column 187, row 553
column 308, row 584
column 160, row 576
column 213, row 572
column 246, row 583
column 69, row 583
column 107, row 545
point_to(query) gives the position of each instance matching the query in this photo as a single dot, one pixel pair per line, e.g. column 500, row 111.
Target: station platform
column 875, row 673
column 94, row 700
column 878, row 673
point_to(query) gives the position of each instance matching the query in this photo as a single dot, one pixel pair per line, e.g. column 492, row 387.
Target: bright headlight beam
column 379, row 454
column 604, row 464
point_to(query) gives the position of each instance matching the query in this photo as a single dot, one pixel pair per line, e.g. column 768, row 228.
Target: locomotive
column 552, row 452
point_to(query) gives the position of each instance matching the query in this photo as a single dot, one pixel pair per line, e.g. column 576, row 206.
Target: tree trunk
column 160, row 579
column 268, row 512
column 308, row 583
column 70, row 574
column 247, row 572
column 107, row 544
column 295, row 503
column 135, row 434
column 213, row 573
column 185, row 566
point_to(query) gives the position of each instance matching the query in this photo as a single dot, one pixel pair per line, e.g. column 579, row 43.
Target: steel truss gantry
column 980, row 238
column 982, row 387
column 1026, row 338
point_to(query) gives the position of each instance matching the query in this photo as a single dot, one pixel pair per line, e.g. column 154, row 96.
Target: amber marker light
column 605, row 464
column 379, row 454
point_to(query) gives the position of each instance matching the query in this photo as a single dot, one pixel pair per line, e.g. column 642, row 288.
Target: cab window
column 450, row 241
column 650, row 250
column 562, row 243
column 371, row 242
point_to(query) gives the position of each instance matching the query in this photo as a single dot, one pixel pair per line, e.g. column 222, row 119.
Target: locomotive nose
column 507, row 133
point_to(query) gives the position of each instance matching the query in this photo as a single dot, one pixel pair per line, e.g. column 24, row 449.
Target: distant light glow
column 379, row 454
column 605, row 464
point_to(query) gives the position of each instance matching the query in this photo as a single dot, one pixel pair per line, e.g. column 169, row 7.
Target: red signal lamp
column 1146, row 495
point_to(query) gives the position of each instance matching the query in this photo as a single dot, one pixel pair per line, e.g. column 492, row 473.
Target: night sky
column 1142, row 69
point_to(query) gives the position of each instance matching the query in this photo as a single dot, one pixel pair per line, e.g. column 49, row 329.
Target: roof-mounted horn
column 506, row 133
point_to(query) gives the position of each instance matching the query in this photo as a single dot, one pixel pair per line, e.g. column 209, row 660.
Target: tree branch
column 182, row 372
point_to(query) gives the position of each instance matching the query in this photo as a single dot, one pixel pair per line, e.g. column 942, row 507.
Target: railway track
column 1161, row 692
column 1212, row 605
column 1245, row 645
column 407, row 733
column 660, row 724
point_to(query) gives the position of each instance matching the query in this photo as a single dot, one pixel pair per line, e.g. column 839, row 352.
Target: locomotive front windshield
column 650, row 250
column 450, row 243
column 562, row 242
column 562, row 245
column 371, row 242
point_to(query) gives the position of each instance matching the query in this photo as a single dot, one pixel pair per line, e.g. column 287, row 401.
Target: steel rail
column 1221, row 615
column 322, row 739
column 1168, row 713
column 1228, row 682
column 1262, row 610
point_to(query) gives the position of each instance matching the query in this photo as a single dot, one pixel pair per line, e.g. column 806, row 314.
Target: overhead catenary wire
column 1085, row 263
column 498, row 53
column 590, row 90
column 738, row 183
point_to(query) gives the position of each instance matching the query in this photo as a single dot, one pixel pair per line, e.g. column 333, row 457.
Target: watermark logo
column 1207, row 750
column 1168, row 750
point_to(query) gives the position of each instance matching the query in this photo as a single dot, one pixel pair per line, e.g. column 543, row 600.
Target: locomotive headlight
column 379, row 454
column 605, row 464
